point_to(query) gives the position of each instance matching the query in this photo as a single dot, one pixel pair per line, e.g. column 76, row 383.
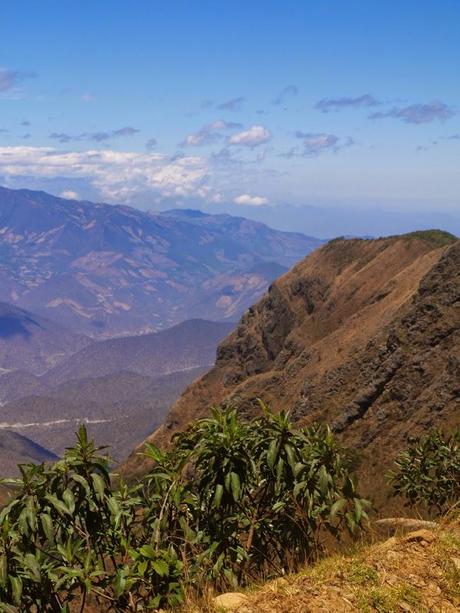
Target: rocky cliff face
column 362, row 334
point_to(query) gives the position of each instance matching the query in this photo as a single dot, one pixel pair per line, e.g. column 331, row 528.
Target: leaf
column 218, row 496
column 235, row 485
column 47, row 525
column 69, row 499
column 358, row 511
column 337, row 507
column 82, row 435
column 152, row 451
column 99, row 485
column 272, row 453
column 31, row 562
column 3, row 571
column 161, row 568
column 290, row 456
column 83, row 482
column 60, row 507
column 323, row 480
column 348, row 488
column 298, row 488
column 16, row 587
column 148, row 551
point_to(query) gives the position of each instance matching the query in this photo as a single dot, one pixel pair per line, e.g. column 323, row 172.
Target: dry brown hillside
column 417, row 572
column 362, row 334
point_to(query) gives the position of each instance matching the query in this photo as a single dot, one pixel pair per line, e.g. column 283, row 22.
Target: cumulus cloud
column 116, row 176
column 286, row 92
column 234, row 104
column 418, row 113
column 97, row 137
column 68, row 194
column 210, row 133
column 10, row 79
column 252, row 137
column 326, row 105
column 248, row 200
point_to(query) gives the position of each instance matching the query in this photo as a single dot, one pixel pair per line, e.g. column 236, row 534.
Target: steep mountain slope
column 106, row 270
column 32, row 343
column 188, row 345
column 120, row 410
column 362, row 334
column 16, row 449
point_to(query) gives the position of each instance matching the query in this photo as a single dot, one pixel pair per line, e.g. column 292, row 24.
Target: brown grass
column 406, row 573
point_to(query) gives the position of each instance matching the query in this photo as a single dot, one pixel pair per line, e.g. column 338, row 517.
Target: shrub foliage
column 228, row 502
column 427, row 473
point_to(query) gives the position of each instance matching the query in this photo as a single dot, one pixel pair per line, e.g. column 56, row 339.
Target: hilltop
column 17, row 449
column 362, row 334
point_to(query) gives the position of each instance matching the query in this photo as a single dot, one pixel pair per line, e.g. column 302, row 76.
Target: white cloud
column 254, row 136
column 246, row 199
column 210, row 133
column 68, row 194
column 116, row 175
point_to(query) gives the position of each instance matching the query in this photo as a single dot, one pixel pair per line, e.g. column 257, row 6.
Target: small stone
column 419, row 536
column 230, row 601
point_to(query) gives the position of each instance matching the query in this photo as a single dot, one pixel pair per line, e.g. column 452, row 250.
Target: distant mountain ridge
column 185, row 346
column 107, row 270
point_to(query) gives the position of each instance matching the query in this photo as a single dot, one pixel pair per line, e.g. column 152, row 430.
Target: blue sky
column 260, row 108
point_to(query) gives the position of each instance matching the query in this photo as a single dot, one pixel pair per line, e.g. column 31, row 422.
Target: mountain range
column 106, row 270
column 362, row 334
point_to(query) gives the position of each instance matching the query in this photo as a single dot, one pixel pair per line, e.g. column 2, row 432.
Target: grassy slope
column 406, row 573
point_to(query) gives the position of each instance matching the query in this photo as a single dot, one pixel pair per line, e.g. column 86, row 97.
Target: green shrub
column 428, row 472
column 228, row 502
